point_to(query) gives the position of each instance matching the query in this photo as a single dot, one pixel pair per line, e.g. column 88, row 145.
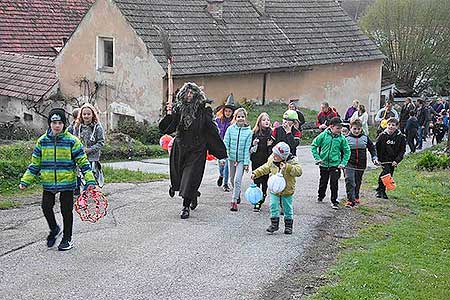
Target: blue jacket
column 238, row 141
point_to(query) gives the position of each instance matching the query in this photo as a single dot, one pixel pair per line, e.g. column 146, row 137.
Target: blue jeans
column 420, row 138
column 288, row 208
column 223, row 171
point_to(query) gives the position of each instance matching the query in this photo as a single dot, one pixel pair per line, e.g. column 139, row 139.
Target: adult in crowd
column 385, row 114
column 351, row 110
column 196, row 132
column 361, row 115
column 325, row 115
column 407, row 108
column 422, row 117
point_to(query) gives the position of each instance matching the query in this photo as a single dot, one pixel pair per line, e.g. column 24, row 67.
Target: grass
column 407, row 258
column 123, row 175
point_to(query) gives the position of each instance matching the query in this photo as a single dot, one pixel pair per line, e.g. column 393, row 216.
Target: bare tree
column 415, row 37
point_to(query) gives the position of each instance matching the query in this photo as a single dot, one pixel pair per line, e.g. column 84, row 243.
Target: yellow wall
column 134, row 88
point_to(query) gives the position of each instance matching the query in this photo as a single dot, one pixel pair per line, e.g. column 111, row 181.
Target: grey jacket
column 93, row 137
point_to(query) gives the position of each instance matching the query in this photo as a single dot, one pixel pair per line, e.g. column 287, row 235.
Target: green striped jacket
column 56, row 158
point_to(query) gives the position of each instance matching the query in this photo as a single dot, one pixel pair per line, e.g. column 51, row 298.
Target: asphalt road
column 143, row 250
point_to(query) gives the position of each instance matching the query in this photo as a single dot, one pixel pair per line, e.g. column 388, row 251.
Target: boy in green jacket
column 55, row 157
column 331, row 152
column 281, row 159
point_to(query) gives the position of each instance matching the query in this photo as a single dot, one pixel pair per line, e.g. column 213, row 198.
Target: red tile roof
column 26, row 77
column 35, row 26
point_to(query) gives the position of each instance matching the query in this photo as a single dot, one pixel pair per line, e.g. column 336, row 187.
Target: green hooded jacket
column 333, row 150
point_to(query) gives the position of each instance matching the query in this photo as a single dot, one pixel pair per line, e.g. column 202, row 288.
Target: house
column 25, row 83
column 32, row 33
column 256, row 49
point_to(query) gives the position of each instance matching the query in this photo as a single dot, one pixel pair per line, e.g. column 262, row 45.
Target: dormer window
column 105, row 54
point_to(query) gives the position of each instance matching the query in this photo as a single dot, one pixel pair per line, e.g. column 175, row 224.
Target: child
column 412, row 131
column 55, row 157
column 238, row 139
column 354, row 171
column 283, row 160
column 391, row 147
column 260, row 152
column 223, row 120
column 89, row 130
column 287, row 132
column 75, row 114
column 439, row 130
column 331, row 152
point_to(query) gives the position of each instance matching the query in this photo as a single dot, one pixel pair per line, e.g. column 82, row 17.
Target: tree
column 415, row 37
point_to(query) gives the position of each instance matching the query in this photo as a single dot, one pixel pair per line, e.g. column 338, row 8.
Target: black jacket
column 292, row 139
column 391, row 147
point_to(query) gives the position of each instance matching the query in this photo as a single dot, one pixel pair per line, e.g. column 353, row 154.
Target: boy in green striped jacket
column 55, row 158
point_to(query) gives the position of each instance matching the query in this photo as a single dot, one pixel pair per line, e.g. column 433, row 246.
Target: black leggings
column 66, row 200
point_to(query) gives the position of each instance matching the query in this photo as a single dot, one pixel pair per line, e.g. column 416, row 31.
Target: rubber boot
column 288, row 226
column 274, row 226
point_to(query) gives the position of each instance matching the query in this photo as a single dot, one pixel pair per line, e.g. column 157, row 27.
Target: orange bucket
column 388, row 182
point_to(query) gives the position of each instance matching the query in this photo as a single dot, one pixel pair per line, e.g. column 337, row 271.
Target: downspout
column 264, row 87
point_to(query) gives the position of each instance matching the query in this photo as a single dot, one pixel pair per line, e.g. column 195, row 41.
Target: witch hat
column 230, row 102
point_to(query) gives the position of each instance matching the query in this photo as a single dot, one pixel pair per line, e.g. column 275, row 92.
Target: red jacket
column 324, row 118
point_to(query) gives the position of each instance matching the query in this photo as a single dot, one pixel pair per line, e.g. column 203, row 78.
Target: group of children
column 273, row 150
column 59, row 154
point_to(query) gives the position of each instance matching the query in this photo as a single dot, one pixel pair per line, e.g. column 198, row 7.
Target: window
column 105, row 54
column 27, row 117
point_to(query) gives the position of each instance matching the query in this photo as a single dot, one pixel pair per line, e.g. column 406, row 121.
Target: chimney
column 215, row 8
column 260, row 6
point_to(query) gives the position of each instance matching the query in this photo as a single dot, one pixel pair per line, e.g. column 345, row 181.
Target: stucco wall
column 337, row 84
column 134, row 88
column 13, row 107
column 248, row 86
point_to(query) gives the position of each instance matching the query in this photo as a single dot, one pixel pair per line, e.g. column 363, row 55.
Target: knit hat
column 282, row 150
column 57, row 114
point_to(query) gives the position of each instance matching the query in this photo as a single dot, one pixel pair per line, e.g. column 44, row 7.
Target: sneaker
column 171, row 192
column 384, row 195
column 234, row 206
column 65, row 245
column 350, row 204
column 51, row 238
column 358, row 201
column 226, row 188
column 238, row 201
column 257, row 207
column 184, row 214
column 319, row 199
column 220, row 181
column 379, row 194
column 334, row 205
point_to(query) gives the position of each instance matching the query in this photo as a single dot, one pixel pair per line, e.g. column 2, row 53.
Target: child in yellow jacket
column 281, row 160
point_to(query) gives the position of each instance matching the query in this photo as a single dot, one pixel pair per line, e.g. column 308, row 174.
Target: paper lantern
column 169, row 147
column 388, row 182
column 164, row 141
column 91, row 206
column 253, row 194
column 276, row 183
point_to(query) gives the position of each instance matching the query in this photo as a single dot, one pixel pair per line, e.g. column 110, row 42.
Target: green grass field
column 407, row 257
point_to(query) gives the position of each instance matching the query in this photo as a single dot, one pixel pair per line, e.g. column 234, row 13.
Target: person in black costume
column 192, row 120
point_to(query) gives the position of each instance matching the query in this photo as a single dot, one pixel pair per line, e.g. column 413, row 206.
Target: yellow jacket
column 292, row 170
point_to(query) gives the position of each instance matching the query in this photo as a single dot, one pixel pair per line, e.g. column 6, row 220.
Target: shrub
column 143, row 131
column 430, row 161
column 122, row 146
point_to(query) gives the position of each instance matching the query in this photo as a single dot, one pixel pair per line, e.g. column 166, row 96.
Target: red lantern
column 91, row 206
column 164, row 141
column 209, row 156
column 169, row 147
